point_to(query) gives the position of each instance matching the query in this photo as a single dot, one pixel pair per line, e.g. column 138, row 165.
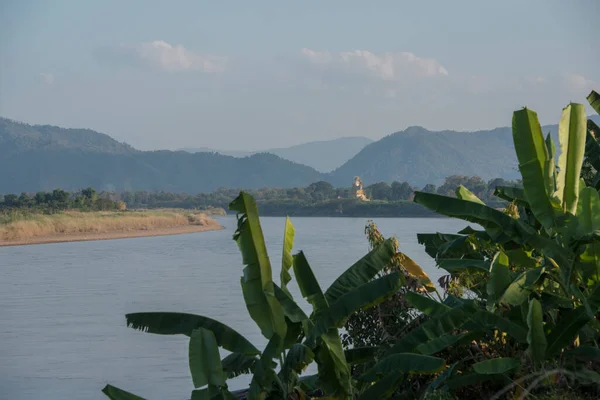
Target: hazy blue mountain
column 323, row 155
column 44, row 157
column 16, row 136
column 34, row 158
column 420, row 156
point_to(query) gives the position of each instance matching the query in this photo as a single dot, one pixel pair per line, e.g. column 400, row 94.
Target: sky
column 262, row 74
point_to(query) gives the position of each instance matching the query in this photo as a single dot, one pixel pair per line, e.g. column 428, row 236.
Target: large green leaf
column 534, row 164
column 364, row 296
column 334, row 372
column 437, row 382
column 594, row 100
column 519, row 289
column 308, row 284
column 405, row 362
column 572, row 133
column 500, row 227
column 500, row 277
column 296, row 360
column 432, row 329
column 114, row 393
column 496, row 366
column 438, row 344
column 264, row 375
column 455, row 265
column 433, row 241
column 536, row 338
column 204, row 359
column 286, row 255
column 570, row 324
column 290, row 307
column 592, row 147
column 584, row 353
column 511, row 193
column 588, row 212
column 362, row 271
column 236, row 364
column 213, row 393
column 484, row 320
column 257, row 281
column 465, row 194
column 383, row 388
column 168, row 323
column 360, row 355
column 426, row 305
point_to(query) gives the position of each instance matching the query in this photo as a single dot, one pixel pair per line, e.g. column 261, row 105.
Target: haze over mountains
column 43, row 157
column 324, row 156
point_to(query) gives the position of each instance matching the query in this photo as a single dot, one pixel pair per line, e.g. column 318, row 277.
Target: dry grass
column 75, row 222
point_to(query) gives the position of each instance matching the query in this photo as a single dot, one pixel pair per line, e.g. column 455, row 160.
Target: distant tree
column 429, row 188
column 379, row 191
column 321, row 191
column 401, row 191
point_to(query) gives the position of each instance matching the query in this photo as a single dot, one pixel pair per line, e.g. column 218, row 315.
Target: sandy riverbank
column 78, row 226
column 84, row 237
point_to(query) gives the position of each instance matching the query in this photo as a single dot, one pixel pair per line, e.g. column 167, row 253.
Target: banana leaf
column 594, row 100
column 520, row 288
column 511, row 193
column 496, row 366
column 455, row 265
column 204, row 359
column 426, row 305
column 364, row 296
column 383, row 388
column 592, row 147
column 362, row 271
column 570, row 324
column 334, row 372
column 465, row 194
column 433, row 241
column 286, row 255
column 535, row 166
column 257, row 281
column 407, row 363
column 584, row 353
column 572, row 134
column 236, row 364
column 500, row 278
column 361, row 355
column 114, row 393
column 536, row 338
column 432, row 329
column 169, row 323
column 436, row 345
column 296, row 360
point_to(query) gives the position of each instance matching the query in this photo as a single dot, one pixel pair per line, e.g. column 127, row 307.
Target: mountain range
column 43, row 157
column 324, row 156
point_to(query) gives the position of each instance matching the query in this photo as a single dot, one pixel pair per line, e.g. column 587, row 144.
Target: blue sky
column 254, row 75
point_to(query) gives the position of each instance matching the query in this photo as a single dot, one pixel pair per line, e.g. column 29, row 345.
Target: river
column 62, row 306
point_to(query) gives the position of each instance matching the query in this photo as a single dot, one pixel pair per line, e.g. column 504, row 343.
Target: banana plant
column 294, row 338
column 534, row 273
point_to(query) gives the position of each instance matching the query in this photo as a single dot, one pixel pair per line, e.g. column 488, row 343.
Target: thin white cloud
column 47, row 78
column 172, row 58
column 576, row 82
column 386, row 66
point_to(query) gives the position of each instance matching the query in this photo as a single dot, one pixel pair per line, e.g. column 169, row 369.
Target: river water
column 62, row 306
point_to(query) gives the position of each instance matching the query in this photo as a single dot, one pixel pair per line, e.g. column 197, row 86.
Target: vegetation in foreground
column 518, row 316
